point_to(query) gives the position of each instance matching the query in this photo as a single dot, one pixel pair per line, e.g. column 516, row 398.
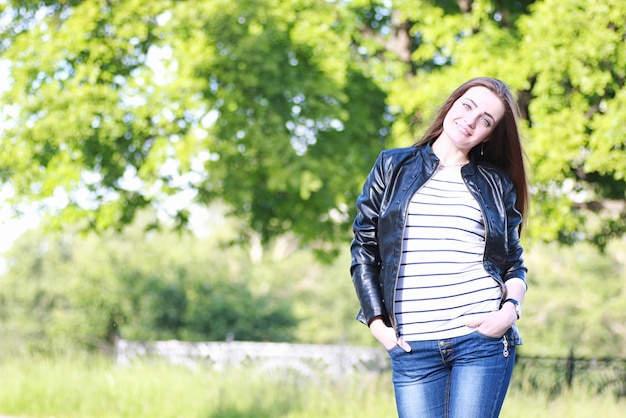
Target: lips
column 463, row 129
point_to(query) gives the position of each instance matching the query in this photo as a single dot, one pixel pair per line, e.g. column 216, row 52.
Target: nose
column 471, row 121
column 472, row 118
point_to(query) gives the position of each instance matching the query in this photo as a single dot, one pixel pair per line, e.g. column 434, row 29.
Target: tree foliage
column 68, row 290
column 278, row 108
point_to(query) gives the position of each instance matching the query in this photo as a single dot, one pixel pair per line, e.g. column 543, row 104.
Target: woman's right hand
column 387, row 335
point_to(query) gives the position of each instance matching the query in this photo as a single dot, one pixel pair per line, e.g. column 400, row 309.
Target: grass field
column 93, row 387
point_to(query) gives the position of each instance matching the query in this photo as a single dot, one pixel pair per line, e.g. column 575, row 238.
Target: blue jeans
column 463, row 377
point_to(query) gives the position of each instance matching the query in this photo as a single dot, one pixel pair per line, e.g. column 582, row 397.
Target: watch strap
column 514, row 302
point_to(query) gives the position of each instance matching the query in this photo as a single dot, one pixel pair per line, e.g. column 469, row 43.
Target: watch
column 518, row 307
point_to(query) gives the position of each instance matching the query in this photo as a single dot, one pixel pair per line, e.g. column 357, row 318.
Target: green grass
column 93, row 387
column 577, row 403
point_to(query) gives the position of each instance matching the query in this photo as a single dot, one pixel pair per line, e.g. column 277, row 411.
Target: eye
column 486, row 122
column 466, row 106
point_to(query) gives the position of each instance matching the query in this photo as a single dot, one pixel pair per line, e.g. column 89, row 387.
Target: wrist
column 515, row 305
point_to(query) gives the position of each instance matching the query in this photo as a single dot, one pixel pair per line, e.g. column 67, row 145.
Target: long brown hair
column 504, row 145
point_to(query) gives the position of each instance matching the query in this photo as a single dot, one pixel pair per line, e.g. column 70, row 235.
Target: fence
column 548, row 375
column 334, row 360
column 553, row 375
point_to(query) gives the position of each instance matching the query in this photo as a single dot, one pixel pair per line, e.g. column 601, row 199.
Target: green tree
column 255, row 104
column 65, row 290
column 279, row 108
column 575, row 64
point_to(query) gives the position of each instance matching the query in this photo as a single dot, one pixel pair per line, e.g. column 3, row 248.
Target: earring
column 482, row 148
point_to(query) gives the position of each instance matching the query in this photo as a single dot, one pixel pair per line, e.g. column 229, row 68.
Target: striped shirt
column 442, row 282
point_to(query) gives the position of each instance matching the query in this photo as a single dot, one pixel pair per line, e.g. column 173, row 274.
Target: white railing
column 336, row 360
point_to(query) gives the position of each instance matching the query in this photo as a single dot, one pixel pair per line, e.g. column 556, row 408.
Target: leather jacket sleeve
column 365, row 266
column 497, row 195
column 515, row 267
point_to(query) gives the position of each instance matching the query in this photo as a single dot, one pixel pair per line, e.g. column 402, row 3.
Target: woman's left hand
column 496, row 324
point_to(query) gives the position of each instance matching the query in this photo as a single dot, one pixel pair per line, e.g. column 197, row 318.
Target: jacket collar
column 428, row 156
column 431, row 161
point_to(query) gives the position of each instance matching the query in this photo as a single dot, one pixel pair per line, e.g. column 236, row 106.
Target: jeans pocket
column 393, row 350
column 488, row 337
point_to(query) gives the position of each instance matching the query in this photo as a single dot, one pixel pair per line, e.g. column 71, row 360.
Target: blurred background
column 187, row 170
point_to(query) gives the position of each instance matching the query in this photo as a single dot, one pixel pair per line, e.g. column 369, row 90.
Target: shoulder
column 495, row 176
column 489, row 169
column 397, row 156
column 400, row 152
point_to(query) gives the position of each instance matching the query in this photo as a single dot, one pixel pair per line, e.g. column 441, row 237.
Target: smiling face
column 472, row 118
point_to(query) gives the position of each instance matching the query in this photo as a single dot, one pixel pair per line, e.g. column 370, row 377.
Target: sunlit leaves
column 279, row 108
column 574, row 51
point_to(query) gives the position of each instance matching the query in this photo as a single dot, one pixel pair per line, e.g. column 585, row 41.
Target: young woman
column 436, row 257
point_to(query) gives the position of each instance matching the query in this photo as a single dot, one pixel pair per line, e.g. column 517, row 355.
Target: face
column 472, row 118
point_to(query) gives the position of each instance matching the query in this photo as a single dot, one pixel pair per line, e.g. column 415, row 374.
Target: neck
column 442, row 164
column 449, row 156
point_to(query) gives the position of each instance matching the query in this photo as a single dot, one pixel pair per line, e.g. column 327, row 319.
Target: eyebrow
column 486, row 113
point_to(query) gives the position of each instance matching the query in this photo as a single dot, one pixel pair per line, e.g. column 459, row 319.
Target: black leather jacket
column 381, row 216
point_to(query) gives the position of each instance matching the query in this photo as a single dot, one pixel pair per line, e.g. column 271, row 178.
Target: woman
column 436, row 257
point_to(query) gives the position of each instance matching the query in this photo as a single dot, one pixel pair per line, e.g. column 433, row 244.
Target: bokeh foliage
column 67, row 291
column 278, row 108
